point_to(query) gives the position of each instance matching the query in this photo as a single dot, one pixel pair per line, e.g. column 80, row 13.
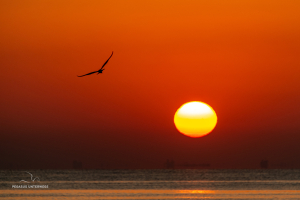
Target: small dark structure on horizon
column 170, row 164
column 77, row 164
column 264, row 164
column 194, row 166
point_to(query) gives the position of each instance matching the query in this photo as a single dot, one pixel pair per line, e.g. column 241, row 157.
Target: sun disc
column 195, row 119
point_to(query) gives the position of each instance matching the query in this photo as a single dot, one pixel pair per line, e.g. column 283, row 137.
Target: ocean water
column 149, row 184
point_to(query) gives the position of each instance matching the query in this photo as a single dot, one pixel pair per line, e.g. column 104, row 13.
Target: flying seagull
column 100, row 70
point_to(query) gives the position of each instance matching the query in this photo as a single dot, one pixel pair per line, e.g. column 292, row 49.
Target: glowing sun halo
column 195, row 119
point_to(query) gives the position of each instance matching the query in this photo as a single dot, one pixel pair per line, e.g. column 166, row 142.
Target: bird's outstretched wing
column 106, row 61
column 88, row 74
column 100, row 70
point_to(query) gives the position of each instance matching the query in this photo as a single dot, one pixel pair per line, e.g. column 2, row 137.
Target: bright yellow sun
column 195, row 119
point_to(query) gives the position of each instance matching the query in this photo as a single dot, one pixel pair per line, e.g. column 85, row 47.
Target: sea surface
column 149, row 184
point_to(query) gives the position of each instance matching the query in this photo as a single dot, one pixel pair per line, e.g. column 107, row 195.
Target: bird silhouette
column 100, row 70
column 32, row 179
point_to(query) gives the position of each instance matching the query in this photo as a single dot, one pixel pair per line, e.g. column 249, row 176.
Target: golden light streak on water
column 148, row 194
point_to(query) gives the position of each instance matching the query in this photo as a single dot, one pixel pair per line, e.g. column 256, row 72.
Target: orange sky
column 240, row 57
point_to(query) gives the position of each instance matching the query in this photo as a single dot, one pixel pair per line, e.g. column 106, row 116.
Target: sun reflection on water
column 197, row 191
column 148, row 194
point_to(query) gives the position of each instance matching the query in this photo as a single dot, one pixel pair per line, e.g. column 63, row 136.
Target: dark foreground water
column 149, row 184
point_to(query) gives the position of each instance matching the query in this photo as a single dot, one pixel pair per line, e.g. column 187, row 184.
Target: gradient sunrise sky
column 240, row 57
